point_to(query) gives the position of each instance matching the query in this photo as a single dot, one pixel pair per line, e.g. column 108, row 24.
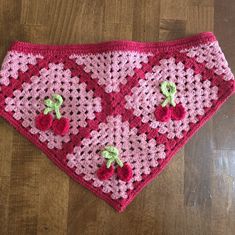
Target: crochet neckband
column 181, row 43
column 112, row 115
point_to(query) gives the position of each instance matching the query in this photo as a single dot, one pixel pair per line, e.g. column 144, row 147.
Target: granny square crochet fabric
column 112, row 115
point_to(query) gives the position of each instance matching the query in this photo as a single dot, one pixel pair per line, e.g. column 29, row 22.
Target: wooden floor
column 194, row 195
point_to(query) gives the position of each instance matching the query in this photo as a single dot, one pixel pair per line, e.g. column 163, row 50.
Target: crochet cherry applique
column 178, row 112
column 106, row 171
column 164, row 113
column 125, row 172
column 44, row 121
column 60, row 126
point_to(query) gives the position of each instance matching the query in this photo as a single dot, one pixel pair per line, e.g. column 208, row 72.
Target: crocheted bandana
column 112, row 115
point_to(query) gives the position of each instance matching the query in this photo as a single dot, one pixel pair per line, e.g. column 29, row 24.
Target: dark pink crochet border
column 79, row 179
column 116, row 45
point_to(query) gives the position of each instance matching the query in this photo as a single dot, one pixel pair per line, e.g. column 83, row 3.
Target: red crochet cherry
column 43, row 121
column 162, row 114
column 178, row 112
column 125, row 173
column 105, row 173
column 60, row 126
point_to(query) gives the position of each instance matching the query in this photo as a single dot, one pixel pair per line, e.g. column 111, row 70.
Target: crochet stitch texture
column 112, row 97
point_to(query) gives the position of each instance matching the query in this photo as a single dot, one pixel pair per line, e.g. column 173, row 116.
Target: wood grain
column 194, row 195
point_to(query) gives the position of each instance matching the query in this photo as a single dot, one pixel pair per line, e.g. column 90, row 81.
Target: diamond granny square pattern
column 112, row 115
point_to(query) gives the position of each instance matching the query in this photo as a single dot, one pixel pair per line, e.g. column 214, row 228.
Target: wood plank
column 172, row 29
column 194, row 195
column 224, row 122
column 199, row 19
column 222, row 185
column 146, row 20
column 6, row 145
column 174, row 9
column 52, row 206
column 24, row 193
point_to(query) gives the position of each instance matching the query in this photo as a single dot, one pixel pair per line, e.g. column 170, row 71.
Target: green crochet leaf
column 169, row 90
column 110, row 153
column 53, row 105
column 106, row 154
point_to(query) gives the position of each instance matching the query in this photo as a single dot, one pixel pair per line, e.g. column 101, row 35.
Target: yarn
column 104, row 172
column 43, row 121
column 162, row 114
column 125, row 172
column 60, row 126
column 168, row 89
column 54, row 105
column 112, row 115
column 178, row 112
column 79, row 104
column 111, row 154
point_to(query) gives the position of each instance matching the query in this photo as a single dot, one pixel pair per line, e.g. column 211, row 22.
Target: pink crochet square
column 112, row 95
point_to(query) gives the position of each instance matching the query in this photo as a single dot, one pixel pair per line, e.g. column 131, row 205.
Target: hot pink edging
column 77, row 178
column 114, row 45
column 187, row 137
column 140, row 187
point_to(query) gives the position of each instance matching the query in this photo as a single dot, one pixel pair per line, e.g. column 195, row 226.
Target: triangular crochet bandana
column 112, row 115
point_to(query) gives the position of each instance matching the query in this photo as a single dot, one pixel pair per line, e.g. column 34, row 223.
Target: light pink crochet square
column 111, row 92
column 193, row 93
column 143, row 155
column 79, row 104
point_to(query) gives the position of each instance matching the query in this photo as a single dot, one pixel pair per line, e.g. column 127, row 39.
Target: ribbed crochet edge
column 181, row 43
column 118, row 206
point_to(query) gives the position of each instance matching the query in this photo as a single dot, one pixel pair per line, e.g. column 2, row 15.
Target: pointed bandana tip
column 112, row 115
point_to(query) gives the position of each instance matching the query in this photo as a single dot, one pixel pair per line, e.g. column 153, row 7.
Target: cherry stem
column 110, row 153
column 53, row 105
column 169, row 90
